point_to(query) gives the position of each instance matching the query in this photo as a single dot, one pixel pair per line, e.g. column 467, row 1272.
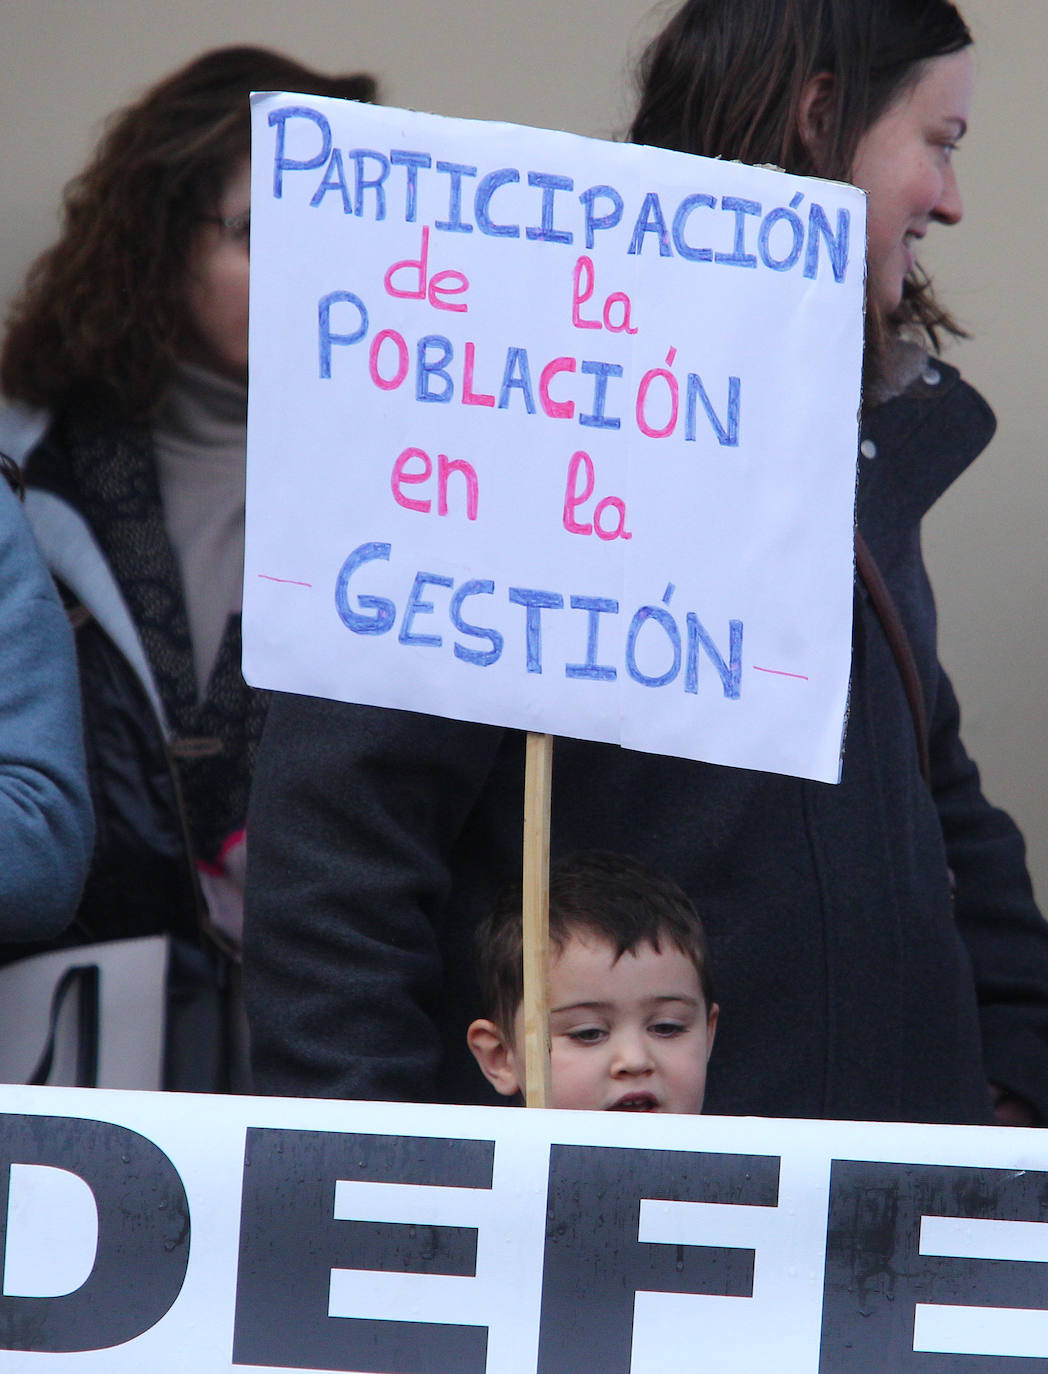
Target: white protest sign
column 165, row 1232
column 552, row 433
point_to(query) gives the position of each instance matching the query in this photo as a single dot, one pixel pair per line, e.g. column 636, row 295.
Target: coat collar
column 923, row 439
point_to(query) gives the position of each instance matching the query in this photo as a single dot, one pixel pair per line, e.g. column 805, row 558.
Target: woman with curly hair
column 131, row 333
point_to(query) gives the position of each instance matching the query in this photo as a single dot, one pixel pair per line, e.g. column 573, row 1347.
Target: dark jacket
column 94, row 502
column 849, row 985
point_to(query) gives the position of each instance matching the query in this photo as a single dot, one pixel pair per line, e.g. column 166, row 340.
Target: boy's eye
column 667, row 1029
column 587, row 1035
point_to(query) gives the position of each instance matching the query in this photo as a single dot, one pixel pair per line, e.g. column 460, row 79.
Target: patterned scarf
column 107, row 472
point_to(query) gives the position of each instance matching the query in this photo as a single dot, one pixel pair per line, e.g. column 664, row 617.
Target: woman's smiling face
column 904, row 162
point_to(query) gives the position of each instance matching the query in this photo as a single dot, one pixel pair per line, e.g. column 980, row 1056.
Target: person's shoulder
column 952, row 408
column 934, row 405
column 29, row 603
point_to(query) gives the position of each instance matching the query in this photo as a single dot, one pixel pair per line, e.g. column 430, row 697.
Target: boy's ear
column 814, row 115
column 494, row 1053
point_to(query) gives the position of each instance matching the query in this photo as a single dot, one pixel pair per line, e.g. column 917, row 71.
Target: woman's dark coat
column 851, row 985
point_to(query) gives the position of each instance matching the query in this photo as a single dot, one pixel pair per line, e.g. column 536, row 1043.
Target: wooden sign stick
column 538, row 776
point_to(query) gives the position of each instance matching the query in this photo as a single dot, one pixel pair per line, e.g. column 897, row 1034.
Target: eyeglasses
column 236, row 227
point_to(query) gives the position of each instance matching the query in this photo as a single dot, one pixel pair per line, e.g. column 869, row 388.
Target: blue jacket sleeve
column 46, row 828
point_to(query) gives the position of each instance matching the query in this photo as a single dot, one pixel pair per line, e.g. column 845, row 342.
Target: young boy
column 632, row 1015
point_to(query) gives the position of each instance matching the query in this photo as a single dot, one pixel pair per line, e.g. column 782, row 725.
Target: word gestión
column 658, row 648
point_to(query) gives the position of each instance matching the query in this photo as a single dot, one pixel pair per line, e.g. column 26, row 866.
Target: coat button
column 931, row 376
column 868, row 448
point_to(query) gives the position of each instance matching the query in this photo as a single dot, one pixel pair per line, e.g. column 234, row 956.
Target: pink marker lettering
column 419, row 286
column 446, row 465
column 559, row 410
column 469, row 396
column 583, row 281
column 402, row 477
column 573, row 498
column 397, row 340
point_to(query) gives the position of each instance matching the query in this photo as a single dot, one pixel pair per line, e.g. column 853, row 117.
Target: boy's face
column 631, row 1034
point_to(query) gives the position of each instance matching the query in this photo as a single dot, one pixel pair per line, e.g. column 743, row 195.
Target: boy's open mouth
column 635, row 1102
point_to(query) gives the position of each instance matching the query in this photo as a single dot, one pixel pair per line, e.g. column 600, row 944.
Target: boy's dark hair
column 611, row 896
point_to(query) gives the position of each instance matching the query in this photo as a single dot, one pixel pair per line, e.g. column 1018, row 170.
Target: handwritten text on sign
column 145, row 1231
column 552, row 433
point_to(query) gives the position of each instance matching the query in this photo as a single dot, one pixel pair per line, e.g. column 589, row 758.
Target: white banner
column 169, row 1233
column 552, row 433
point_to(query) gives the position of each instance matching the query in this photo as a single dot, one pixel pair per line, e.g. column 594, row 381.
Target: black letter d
column 143, row 1234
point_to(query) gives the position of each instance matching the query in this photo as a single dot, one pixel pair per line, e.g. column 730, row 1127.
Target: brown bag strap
column 899, row 641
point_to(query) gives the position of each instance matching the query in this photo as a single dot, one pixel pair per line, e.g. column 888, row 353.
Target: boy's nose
column 631, row 1055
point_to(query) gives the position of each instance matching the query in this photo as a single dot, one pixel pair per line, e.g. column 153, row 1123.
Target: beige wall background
column 566, row 64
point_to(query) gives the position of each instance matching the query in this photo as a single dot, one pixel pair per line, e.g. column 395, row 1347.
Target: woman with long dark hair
column 131, row 333
column 806, row 87
column 877, row 947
